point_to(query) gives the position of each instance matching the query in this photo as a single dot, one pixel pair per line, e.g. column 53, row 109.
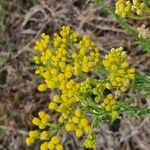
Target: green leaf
column 132, row 111
column 141, row 84
column 4, row 59
column 145, row 43
column 147, row 1
column 96, row 122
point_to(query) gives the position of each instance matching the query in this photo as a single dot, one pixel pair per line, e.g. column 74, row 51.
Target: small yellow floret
column 78, row 113
column 41, row 114
column 33, row 133
column 79, row 132
column 50, row 145
column 44, row 135
column 55, row 139
column 69, row 127
column 42, row 87
column 44, row 146
column 29, row 140
column 84, row 122
column 36, row 121
column 59, row 147
column 53, row 106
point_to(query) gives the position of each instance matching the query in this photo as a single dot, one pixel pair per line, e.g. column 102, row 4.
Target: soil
column 19, row 97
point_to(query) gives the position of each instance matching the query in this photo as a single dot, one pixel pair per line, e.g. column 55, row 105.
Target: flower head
column 69, row 63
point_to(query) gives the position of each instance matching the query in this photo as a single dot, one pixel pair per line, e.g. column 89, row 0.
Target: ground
column 21, row 23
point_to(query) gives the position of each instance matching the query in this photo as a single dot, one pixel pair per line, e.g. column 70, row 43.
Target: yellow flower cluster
column 92, row 86
column 64, row 62
column 139, row 7
column 85, row 86
column 90, row 141
column 43, row 120
column 118, row 71
column 42, row 45
column 78, row 124
column 126, row 8
column 123, row 8
column 87, row 57
column 110, row 103
column 64, row 56
column 64, row 103
column 33, row 135
column 53, row 144
column 98, row 91
column 115, row 115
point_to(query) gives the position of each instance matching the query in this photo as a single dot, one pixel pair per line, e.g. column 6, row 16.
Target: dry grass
column 19, row 98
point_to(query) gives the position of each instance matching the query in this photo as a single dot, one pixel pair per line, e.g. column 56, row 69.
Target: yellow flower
column 78, row 112
column 84, row 122
column 110, row 103
column 123, row 8
column 59, row 147
column 55, row 139
column 53, row 106
column 44, row 146
column 90, row 141
column 120, row 76
column 115, row 115
column 42, row 87
column 64, row 61
column 79, row 132
column 41, row 114
column 36, row 121
column 34, row 134
column 44, row 135
column 126, row 8
column 75, row 120
column 69, row 127
column 29, row 140
column 50, row 145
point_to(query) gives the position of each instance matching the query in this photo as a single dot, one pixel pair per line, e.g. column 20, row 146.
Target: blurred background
column 21, row 23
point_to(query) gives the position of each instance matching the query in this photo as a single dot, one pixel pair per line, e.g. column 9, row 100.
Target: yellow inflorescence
column 78, row 124
column 58, row 64
column 118, row 71
column 33, row 135
column 110, row 103
column 123, row 8
column 87, row 57
column 53, row 144
column 67, row 56
column 65, row 62
column 43, row 120
column 62, row 58
column 43, row 44
column 90, row 141
column 126, row 8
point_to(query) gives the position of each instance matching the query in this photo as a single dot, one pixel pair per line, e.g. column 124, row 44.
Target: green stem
column 133, row 110
column 141, row 84
column 147, row 1
column 139, row 17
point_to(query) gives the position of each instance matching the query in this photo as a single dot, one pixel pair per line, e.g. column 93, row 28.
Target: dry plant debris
column 19, row 98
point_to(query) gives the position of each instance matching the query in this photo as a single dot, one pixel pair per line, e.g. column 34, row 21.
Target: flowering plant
column 89, row 88
column 126, row 8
